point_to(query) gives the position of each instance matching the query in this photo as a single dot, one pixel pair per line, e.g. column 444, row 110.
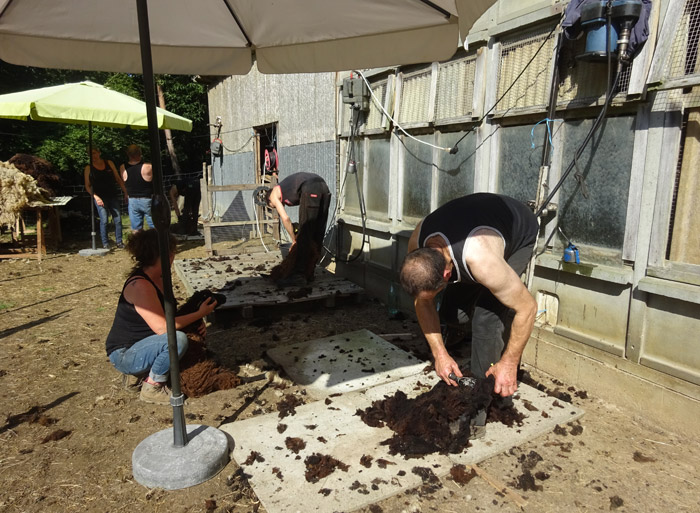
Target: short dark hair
column 133, row 151
column 422, row 270
column 143, row 247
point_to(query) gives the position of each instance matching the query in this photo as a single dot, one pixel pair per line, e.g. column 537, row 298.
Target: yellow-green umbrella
column 83, row 103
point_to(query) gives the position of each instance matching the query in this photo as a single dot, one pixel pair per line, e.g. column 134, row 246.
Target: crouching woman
column 138, row 340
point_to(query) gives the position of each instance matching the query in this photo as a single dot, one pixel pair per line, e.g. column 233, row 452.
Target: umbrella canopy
column 85, row 102
column 221, row 37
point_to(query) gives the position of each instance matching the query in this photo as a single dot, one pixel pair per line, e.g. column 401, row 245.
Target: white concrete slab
column 343, row 363
column 347, row 439
column 243, row 280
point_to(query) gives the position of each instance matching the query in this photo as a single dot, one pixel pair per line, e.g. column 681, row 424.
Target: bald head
column 423, row 270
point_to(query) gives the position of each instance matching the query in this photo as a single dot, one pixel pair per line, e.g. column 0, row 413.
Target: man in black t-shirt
column 475, row 248
column 310, row 192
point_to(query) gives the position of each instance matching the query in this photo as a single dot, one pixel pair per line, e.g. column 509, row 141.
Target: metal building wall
column 303, row 108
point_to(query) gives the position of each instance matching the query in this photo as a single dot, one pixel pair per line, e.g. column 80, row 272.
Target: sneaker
column 155, row 394
column 120, row 245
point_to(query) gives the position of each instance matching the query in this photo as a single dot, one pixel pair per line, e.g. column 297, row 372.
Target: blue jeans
column 110, row 208
column 148, row 353
column 140, row 208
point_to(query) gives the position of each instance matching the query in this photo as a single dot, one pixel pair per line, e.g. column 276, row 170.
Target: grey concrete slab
column 242, row 279
column 332, row 428
column 343, row 363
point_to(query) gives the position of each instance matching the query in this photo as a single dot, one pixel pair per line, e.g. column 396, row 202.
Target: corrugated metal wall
column 302, row 106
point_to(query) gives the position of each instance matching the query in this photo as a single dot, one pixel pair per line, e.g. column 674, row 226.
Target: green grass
column 6, row 306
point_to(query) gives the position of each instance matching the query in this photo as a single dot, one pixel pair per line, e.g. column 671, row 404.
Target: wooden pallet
column 243, row 279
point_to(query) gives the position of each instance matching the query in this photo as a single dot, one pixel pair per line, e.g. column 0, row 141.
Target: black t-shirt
column 290, row 187
column 128, row 326
column 102, row 181
column 456, row 220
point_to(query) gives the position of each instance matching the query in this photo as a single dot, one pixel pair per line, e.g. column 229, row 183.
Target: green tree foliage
column 65, row 146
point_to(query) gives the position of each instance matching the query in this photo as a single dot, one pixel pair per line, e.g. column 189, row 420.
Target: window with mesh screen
column 455, row 172
column 520, row 160
column 683, row 239
column 531, row 89
column 415, row 97
column 417, row 175
column 377, row 172
column 583, row 82
column 375, row 115
column 598, row 184
column 455, row 89
column 683, row 58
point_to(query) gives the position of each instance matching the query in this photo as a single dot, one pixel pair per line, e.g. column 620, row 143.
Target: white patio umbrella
column 222, row 37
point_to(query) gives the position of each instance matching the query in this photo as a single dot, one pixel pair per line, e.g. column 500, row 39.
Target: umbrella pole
column 178, row 459
column 161, row 219
column 92, row 196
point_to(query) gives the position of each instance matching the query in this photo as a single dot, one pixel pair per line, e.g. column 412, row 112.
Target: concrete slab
column 345, row 362
column 242, row 279
column 332, row 428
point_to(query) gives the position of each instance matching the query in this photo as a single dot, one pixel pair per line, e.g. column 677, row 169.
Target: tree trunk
column 168, row 134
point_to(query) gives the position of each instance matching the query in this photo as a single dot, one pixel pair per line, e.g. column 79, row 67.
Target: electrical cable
column 239, row 149
column 363, row 213
column 257, row 222
column 611, row 86
column 596, row 123
column 396, row 123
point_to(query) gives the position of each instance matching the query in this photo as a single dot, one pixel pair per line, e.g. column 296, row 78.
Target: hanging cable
column 596, row 123
column 257, row 222
column 396, row 123
column 350, row 167
column 455, row 148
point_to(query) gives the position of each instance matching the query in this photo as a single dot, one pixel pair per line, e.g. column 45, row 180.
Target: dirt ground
column 68, row 428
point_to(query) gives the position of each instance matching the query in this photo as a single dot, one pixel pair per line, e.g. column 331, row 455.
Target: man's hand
column 444, row 365
column 506, row 375
column 99, row 201
column 202, row 329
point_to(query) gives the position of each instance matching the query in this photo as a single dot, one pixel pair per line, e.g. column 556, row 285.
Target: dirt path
column 68, row 428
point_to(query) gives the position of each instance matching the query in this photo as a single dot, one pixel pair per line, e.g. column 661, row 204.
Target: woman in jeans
column 101, row 176
column 138, row 340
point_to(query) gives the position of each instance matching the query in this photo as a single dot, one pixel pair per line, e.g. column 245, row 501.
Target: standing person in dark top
column 101, row 177
column 476, row 247
column 310, row 192
column 138, row 178
column 188, row 217
column 138, row 340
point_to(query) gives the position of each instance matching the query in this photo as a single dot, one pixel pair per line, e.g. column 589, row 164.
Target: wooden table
column 35, row 247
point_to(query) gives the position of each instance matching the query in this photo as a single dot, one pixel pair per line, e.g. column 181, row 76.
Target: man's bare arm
column 284, row 218
column 429, row 321
column 489, row 268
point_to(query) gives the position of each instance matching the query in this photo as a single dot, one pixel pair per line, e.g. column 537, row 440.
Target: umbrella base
column 93, row 252
column 157, row 463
